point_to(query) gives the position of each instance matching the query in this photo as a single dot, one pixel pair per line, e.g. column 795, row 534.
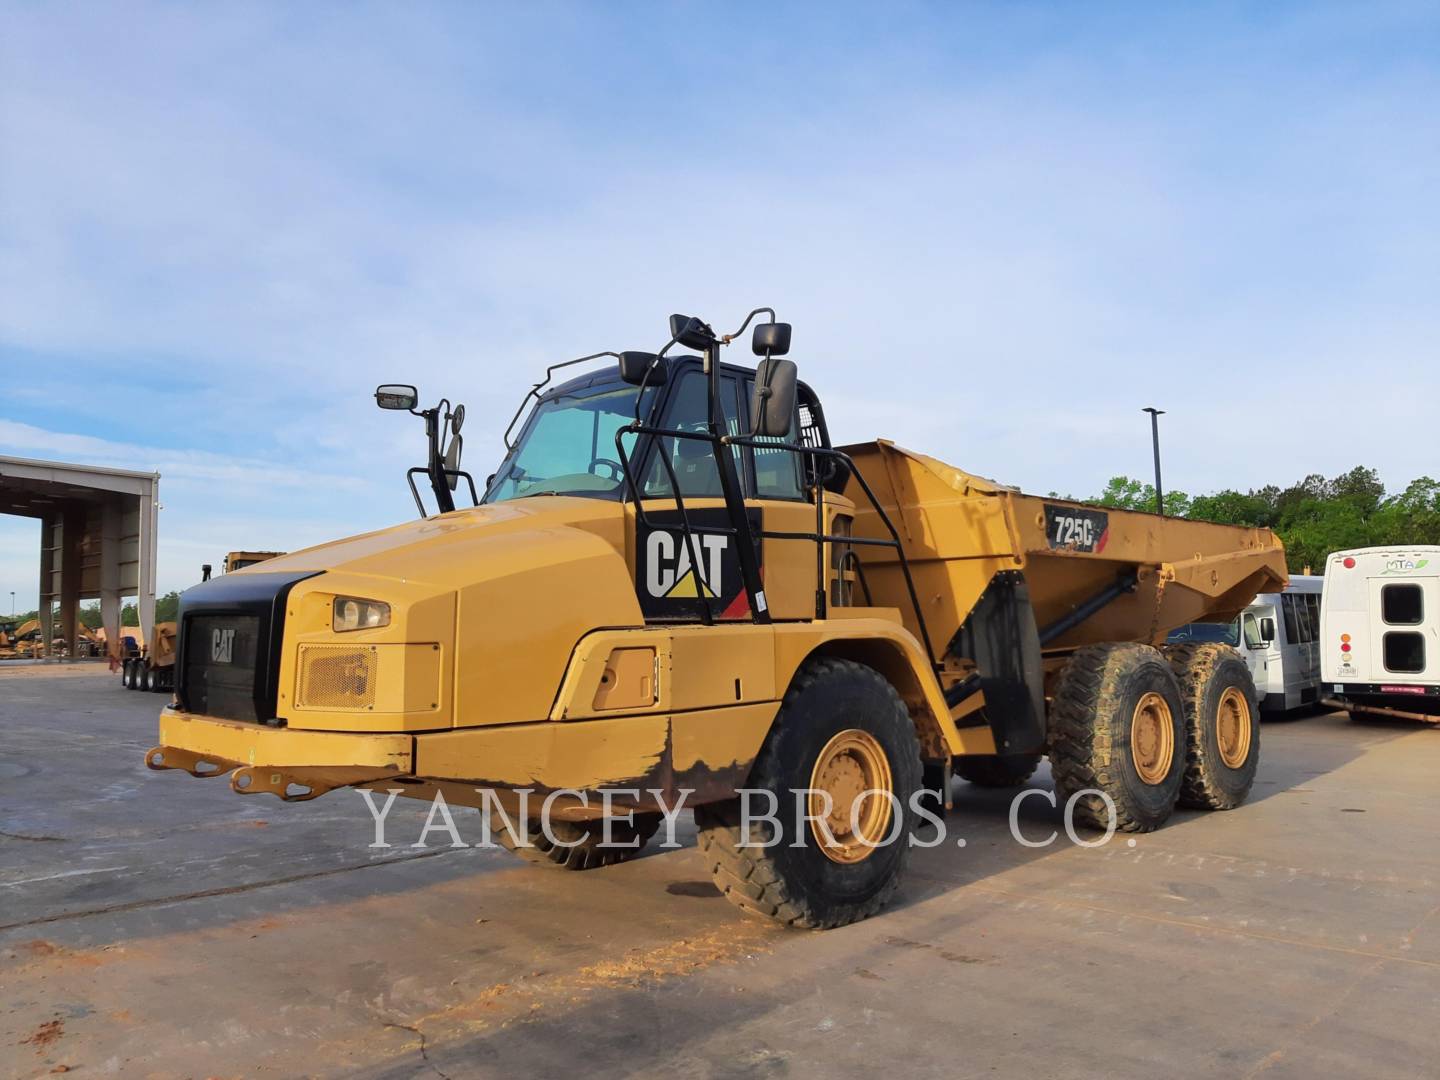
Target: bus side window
column 1292, row 626
column 1302, row 616
column 1313, row 602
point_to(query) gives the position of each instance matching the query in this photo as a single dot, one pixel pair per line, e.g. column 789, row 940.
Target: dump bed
column 1142, row 574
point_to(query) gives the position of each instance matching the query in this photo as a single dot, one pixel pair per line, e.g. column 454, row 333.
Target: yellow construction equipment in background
column 674, row 587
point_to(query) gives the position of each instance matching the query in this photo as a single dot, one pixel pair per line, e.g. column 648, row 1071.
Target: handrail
column 720, row 442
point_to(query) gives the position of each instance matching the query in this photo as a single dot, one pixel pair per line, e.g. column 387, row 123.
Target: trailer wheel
column 127, row 675
column 1222, row 736
column 996, row 770
column 842, row 734
column 144, row 677
column 1117, row 726
column 581, row 844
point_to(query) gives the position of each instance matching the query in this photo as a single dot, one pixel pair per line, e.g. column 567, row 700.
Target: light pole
column 1155, row 415
column 12, row 601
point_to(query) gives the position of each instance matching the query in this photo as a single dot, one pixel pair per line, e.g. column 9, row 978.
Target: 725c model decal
column 1069, row 528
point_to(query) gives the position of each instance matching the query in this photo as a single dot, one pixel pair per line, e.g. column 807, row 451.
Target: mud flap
column 1001, row 636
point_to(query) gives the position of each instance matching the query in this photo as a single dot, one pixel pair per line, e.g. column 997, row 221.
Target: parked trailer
column 1380, row 632
column 674, row 586
column 153, row 668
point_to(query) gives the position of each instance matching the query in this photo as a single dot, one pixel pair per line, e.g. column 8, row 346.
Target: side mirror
column 772, row 405
column 691, row 332
column 771, row 339
column 396, row 396
column 452, row 460
column 457, row 419
column 1267, row 630
column 634, row 365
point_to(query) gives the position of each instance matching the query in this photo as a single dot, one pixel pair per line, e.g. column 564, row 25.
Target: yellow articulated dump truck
column 674, row 591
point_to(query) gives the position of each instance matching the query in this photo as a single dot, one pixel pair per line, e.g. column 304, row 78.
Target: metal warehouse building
column 97, row 541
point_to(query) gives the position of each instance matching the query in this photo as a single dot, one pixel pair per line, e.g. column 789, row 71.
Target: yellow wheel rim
column 852, row 763
column 1152, row 738
column 1232, row 728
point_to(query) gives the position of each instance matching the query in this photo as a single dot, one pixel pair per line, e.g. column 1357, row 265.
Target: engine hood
column 454, row 549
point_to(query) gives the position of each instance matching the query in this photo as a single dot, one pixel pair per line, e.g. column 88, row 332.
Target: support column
column 110, row 577
column 72, row 533
column 50, row 542
column 145, row 595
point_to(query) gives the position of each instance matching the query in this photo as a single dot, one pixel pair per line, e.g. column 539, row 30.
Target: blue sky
column 999, row 230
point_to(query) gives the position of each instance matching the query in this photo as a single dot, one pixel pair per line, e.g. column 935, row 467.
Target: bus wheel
column 1117, row 732
column 1222, row 736
column 841, row 769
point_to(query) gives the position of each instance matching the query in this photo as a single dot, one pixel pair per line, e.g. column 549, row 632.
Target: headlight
column 352, row 613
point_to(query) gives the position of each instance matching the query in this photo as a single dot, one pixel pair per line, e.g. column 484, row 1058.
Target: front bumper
column 706, row 753
column 293, row 764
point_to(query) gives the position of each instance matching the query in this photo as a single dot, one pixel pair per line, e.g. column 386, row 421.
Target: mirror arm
column 726, row 339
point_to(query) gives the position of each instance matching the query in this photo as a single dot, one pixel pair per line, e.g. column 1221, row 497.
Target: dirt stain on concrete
column 45, row 1036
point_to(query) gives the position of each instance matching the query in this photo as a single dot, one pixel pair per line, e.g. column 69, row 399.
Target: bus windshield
column 1219, row 633
column 567, row 446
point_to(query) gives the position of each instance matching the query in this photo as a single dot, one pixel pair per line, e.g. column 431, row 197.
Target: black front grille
column 230, row 635
column 220, row 656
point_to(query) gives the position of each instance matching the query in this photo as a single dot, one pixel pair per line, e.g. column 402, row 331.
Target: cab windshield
column 568, row 445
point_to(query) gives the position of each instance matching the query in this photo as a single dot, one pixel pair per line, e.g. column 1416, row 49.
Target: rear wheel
column 845, row 741
column 581, row 845
column 1222, row 738
column 144, row 676
column 996, row 770
column 1117, row 728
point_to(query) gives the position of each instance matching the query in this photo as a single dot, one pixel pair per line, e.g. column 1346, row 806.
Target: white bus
column 1380, row 631
column 1278, row 634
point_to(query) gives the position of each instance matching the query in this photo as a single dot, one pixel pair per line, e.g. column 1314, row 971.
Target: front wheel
column 832, row 803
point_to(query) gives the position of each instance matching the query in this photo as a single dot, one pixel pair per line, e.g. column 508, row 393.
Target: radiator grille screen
column 336, row 677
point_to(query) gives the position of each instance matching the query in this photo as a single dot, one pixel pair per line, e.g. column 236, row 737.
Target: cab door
column 678, row 577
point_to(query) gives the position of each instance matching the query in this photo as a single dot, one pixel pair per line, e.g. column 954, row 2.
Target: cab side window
column 777, row 472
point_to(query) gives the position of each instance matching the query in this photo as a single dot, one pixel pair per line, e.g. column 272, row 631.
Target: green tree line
column 1313, row 517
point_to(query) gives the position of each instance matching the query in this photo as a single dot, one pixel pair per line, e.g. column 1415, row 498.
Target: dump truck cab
column 672, row 588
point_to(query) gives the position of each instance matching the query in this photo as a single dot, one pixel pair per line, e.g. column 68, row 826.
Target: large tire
column 128, row 678
column 582, row 843
column 1117, row 725
column 144, row 677
column 996, row 770
column 1222, row 735
column 841, row 728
